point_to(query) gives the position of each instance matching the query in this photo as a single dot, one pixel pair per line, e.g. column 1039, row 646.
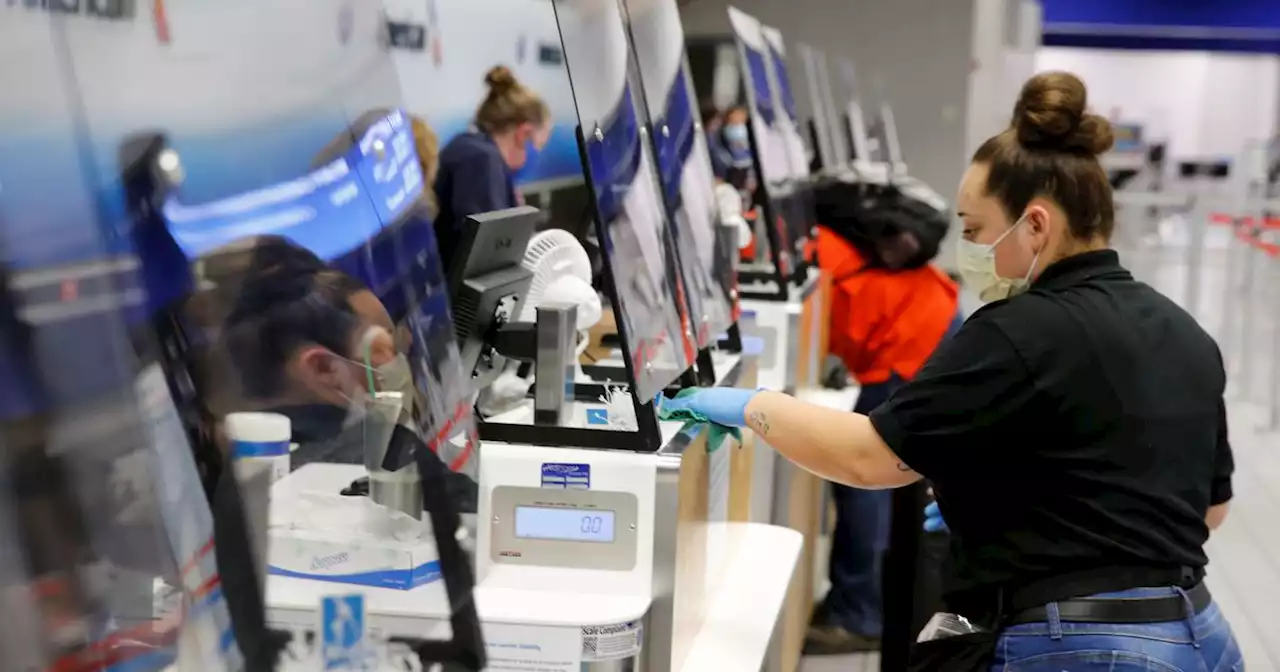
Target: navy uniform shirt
column 473, row 178
column 1075, row 435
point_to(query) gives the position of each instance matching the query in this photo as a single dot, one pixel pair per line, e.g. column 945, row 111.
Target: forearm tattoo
column 759, row 422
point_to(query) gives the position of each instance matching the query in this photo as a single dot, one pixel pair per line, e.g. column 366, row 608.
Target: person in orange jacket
column 884, row 326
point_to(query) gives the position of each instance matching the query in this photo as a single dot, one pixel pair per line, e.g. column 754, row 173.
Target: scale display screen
column 565, row 524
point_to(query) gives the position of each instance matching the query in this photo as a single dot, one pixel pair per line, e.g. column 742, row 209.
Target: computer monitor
column 488, row 285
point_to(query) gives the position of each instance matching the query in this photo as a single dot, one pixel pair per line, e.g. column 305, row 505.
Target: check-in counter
column 795, row 336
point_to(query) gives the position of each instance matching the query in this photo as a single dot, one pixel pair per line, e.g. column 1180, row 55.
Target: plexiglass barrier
column 206, row 213
column 684, row 163
column 107, row 528
column 654, row 319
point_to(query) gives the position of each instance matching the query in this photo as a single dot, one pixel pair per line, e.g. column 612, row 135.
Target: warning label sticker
column 611, row 642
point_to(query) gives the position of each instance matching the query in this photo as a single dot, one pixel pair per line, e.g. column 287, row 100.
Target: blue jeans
column 861, row 537
column 1202, row 643
column 859, row 542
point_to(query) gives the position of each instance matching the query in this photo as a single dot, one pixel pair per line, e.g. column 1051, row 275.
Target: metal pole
column 1230, row 295
column 1244, row 372
column 1147, row 243
column 1195, row 257
column 1143, row 213
column 1272, row 303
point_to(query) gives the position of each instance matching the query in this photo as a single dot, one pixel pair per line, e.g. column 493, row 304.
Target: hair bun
column 1052, row 115
column 500, row 78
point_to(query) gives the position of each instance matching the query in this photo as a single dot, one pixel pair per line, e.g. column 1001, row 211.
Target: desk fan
column 561, row 274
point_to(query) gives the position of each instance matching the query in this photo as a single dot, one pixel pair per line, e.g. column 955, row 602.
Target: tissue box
column 306, row 554
column 320, row 535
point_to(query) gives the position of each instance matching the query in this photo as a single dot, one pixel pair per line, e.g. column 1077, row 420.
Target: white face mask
column 977, row 265
column 397, row 376
column 358, row 395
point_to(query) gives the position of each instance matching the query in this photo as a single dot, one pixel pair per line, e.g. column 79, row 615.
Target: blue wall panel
column 1232, row 25
column 1219, row 14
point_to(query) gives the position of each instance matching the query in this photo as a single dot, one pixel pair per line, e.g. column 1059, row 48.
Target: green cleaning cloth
column 717, row 432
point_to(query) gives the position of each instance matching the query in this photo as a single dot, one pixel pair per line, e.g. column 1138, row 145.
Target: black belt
column 1121, row 610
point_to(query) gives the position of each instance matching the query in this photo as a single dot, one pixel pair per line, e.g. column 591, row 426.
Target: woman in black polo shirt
column 1074, row 429
column 478, row 169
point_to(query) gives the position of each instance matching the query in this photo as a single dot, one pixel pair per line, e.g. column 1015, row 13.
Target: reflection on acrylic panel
column 237, row 123
column 361, row 213
column 246, row 117
column 629, row 202
column 684, row 162
column 769, row 138
column 789, row 121
column 231, row 102
column 797, row 211
column 771, row 144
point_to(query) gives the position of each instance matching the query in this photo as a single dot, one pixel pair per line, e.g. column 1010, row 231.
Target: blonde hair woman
column 478, row 168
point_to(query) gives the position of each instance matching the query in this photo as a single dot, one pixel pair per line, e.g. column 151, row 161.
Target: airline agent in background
column 884, row 326
column 478, row 169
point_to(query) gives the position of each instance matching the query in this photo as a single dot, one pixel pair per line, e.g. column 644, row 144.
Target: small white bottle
column 260, row 440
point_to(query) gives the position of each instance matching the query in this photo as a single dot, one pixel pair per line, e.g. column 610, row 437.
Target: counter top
column 736, row 634
column 429, row 603
column 741, row 618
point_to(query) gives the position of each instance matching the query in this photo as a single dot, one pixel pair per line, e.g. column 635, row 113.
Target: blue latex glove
column 722, row 405
column 933, row 521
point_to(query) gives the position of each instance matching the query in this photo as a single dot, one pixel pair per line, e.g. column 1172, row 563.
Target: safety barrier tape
column 1222, row 219
column 122, row 645
column 459, row 413
column 1270, row 249
column 195, row 559
column 147, row 638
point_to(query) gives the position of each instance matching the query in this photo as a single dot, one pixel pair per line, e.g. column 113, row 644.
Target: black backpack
column 889, row 228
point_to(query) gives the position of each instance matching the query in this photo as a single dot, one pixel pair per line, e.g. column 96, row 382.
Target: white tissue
column 506, row 392
column 354, row 518
column 620, row 409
